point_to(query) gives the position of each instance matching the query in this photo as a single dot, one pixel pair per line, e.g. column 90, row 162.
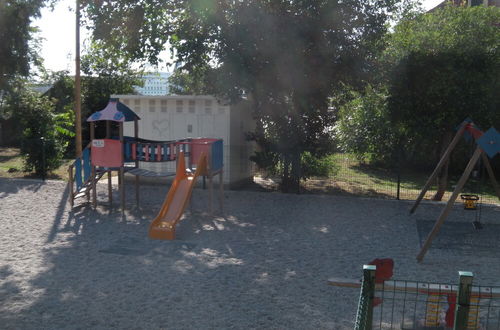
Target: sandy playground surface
column 264, row 263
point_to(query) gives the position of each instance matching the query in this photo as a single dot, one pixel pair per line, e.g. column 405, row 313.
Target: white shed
column 166, row 118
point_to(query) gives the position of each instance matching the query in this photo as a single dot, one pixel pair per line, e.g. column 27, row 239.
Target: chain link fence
column 402, row 304
column 352, row 177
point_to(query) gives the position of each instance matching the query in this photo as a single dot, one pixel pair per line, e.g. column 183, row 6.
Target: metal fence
column 420, row 305
column 353, row 177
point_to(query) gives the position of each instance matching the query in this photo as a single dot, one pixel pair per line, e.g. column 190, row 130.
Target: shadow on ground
column 97, row 269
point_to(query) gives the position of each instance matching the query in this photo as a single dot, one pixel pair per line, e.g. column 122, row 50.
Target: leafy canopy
column 286, row 56
column 18, row 49
column 444, row 67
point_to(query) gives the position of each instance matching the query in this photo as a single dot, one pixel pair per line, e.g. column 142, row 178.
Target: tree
column 364, row 126
column 17, row 43
column 98, row 84
column 287, row 56
column 44, row 132
column 444, row 67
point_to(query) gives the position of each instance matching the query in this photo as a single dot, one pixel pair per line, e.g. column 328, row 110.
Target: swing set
column 487, row 145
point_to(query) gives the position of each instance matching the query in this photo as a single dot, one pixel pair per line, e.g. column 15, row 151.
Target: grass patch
column 11, row 166
column 362, row 179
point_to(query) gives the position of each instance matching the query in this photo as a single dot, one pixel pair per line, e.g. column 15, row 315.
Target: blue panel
column 78, row 173
column 217, row 155
column 128, row 151
column 86, row 164
column 139, row 152
column 490, row 142
column 152, row 153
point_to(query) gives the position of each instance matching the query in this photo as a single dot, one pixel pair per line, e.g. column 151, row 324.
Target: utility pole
column 78, row 105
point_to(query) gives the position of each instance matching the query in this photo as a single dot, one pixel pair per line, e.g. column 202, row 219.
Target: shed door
column 206, row 126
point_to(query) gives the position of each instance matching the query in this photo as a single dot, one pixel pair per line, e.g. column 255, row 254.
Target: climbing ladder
column 80, row 177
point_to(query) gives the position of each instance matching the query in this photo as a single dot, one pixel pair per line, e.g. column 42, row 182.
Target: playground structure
column 123, row 154
column 487, row 145
column 174, row 117
column 422, row 305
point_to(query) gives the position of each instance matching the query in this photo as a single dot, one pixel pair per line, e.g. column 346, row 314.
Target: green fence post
column 364, row 315
column 463, row 300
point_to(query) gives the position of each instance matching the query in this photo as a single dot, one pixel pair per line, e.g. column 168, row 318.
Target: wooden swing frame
column 458, row 189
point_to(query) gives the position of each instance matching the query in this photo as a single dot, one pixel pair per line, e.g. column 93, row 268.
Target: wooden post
column 94, row 186
column 121, row 173
column 122, row 188
column 463, row 301
column 78, row 103
column 221, row 191
column 110, row 189
column 137, row 190
column 177, row 151
column 441, row 163
column 92, row 137
column 449, row 205
column 491, row 174
column 210, row 192
column 137, row 184
column 108, row 129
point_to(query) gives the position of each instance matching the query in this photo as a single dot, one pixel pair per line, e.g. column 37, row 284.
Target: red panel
column 107, row 153
column 199, row 146
column 172, row 151
column 476, row 133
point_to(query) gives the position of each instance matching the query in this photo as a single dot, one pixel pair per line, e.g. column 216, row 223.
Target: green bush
column 322, row 167
column 44, row 133
column 364, row 127
column 311, row 166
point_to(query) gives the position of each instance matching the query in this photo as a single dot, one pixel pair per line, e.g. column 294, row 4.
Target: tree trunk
column 285, row 179
column 442, row 178
column 296, row 171
column 290, row 181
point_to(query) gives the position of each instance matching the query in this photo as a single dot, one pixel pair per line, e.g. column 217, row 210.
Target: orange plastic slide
column 163, row 226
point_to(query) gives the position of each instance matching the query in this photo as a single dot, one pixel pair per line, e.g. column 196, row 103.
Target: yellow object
column 470, row 201
column 163, row 226
column 473, row 318
column 433, row 310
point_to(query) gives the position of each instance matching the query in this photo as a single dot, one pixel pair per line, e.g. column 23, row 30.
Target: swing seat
column 470, row 201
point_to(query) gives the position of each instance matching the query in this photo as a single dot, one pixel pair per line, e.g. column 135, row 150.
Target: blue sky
column 58, row 32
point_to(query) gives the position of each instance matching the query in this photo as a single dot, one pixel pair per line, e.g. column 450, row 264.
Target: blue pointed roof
column 114, row 111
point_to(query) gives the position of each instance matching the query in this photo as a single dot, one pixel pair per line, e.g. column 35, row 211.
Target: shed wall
column 180, row 117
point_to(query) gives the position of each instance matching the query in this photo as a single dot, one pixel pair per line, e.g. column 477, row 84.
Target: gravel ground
column 264, row 263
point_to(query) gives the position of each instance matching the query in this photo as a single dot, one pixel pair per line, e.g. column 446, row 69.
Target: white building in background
column 155, row 83
column 165, row 118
